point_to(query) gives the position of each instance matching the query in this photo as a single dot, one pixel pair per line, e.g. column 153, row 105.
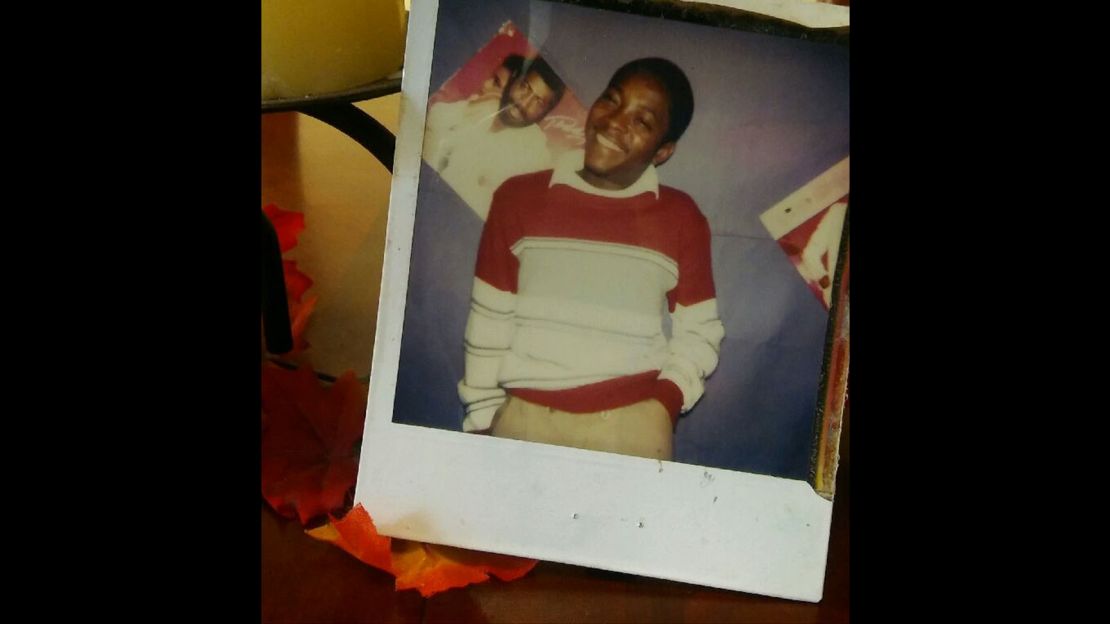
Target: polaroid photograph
column 613, row 327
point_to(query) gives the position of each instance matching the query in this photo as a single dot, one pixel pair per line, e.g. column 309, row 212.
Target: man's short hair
column 540, row 67
column 679, row 92
column 513, row 63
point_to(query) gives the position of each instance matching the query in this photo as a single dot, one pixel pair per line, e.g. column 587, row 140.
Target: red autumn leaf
column 287, row 224
column 296, row 281
column 309, row 457
column 357, row 535
column 300, row 307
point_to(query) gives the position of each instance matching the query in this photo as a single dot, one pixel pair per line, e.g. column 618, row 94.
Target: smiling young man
column 478, row 143
column 576, row 269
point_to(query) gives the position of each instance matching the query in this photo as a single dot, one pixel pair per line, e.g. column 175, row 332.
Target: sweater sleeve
column 490, row 325
column 696, row 328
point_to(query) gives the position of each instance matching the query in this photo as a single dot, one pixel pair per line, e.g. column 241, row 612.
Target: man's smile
column 608, row 143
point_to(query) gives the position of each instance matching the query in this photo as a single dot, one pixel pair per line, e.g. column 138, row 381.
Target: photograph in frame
column 702, row 304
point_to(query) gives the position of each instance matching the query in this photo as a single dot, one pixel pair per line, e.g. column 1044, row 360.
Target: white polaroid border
column 708, row 526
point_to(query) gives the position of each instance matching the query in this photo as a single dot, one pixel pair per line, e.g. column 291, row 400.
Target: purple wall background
column 771, row 113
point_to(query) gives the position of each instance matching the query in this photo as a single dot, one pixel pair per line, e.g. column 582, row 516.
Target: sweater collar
column 570, row 163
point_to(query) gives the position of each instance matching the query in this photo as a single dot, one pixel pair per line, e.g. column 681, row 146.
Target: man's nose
column 533, row 100
column 616, row 120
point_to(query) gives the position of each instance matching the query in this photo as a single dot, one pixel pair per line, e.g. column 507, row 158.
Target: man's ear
column 664, row 152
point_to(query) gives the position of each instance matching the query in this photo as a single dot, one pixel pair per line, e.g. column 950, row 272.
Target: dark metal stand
column 357, row 124
column 339, row 112
column 275, row 308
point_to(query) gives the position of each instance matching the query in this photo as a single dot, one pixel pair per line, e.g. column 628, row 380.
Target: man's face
column 526, row 100
column 625, row 130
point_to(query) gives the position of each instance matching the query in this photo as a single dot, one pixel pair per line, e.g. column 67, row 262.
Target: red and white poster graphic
column 809, row 224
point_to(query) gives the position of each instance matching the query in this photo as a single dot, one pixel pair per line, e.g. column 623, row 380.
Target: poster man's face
column 526, row 100
column 625, row 130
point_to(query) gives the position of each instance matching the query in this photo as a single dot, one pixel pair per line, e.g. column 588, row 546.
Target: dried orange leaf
column 357, row 535
column 431, row 570
column 427, row 568
column 504, row 567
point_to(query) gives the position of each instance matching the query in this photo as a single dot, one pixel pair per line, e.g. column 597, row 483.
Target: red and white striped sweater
column 570, row 290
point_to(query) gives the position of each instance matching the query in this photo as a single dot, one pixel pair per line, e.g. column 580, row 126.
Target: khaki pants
column 642, row 429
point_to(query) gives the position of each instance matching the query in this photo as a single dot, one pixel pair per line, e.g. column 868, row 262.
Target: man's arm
column 696, row 328
column 438, row 126
column 489, row 332
column 490, row 326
